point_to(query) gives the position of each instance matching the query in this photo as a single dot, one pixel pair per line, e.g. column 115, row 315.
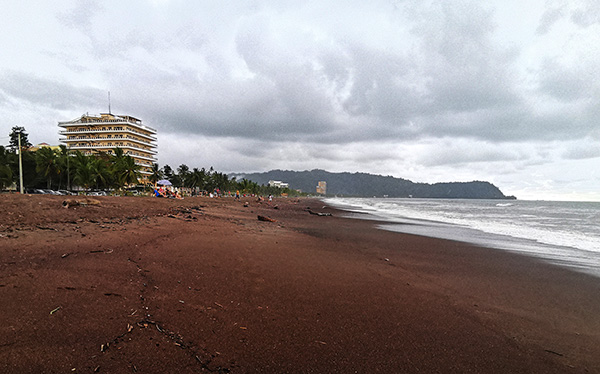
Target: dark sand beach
column 201, row 285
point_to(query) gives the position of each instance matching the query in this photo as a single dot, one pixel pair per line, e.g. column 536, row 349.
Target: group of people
column 174, row 194
column 165, row 192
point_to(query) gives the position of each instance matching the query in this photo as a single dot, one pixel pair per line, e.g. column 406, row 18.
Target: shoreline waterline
column 560, row 233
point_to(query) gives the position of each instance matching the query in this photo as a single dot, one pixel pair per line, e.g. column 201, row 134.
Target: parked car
column 51, row 192
column 65, row 192
column 97, row 193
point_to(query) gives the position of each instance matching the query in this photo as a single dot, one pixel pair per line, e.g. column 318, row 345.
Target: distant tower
column 322, row 188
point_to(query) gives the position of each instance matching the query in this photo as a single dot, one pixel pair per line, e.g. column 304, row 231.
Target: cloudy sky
column 505, row 91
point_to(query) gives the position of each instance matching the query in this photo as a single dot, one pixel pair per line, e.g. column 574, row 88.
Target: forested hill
column 368, row 185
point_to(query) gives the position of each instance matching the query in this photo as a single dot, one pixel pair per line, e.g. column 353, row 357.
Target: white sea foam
column 562, row 232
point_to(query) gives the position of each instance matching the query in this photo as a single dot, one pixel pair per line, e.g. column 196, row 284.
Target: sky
column 504, row 91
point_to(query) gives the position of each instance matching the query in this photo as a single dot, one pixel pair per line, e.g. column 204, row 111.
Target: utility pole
column 68, row 172
column 20, row 165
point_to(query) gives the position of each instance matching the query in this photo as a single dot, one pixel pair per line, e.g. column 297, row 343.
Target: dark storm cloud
column 453, row 79
column 48, row 93
column 583, row 151
column 586, row 14
column 462, row 87
column 549, row 18
column 568, row 83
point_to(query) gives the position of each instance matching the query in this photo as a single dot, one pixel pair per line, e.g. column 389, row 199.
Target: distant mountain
column 368, row 185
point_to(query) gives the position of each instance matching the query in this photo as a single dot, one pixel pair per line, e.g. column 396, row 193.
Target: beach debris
column 386, row 259
column 65, row 255
column 79, row 202
column 320, row 342
column 219, row 305
column 319, row 213
column 553, row 352
column 55, row 310
column 97, row 369
column 276, row 207
column 246, row 204
column 265, row 219
column 46, row 228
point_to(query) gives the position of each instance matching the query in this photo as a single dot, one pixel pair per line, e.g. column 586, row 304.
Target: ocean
column 560, row 232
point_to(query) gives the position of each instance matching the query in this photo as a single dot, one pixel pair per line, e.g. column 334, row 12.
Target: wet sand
column 201, row 285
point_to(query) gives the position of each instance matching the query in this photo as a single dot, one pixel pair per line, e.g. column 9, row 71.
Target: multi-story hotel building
column 322, row 188
column 105, row 132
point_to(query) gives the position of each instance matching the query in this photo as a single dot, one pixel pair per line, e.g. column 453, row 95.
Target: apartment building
column 105, row 132
column 322, row 188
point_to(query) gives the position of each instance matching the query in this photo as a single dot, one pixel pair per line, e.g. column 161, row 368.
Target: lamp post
column 68, row 171
column 20, row 165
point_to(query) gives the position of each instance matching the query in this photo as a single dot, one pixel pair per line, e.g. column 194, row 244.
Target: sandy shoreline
column 154, row 286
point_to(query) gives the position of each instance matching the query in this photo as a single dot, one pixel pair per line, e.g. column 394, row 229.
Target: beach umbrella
column 163, row 182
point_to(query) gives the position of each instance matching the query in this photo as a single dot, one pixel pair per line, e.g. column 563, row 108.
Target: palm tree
column 124, row 169
column 127, row 172
column 167, row 172
column 46, row 164
column 247, row 186
column 83, row 174
column 100, row 171
column 157, row 174
column 196, row 178
column 219, row 180
column 183, row 172
column 6, row 174
column 63, row 165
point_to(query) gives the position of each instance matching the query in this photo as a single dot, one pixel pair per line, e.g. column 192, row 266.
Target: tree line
column 210, row 180
column 62, row 168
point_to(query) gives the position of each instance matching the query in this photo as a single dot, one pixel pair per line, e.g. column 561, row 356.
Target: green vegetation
column 59, row 169
column 369, row 185
column 211, row 180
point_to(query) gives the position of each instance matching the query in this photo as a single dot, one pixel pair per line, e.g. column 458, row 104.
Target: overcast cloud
column 503, row 91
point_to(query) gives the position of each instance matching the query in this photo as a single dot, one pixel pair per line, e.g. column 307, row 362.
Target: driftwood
column 319, row 214
column 266, row 219
column 79, row 202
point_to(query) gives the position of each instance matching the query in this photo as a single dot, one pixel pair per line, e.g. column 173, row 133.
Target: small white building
column 279, row 184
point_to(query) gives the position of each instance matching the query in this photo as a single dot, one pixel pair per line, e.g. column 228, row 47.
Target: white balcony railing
column 109, row 143
column 92, row 121
column 100, row 131
column 72, row 139
column 107, row 148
